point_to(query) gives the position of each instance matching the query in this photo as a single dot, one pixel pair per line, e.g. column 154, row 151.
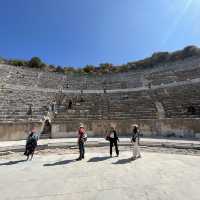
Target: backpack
column 85, row 137
column 107, row 137
column 135, row 136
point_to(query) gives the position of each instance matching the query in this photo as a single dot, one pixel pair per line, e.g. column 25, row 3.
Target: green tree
column 123, row 68
column 17, row 62
column 52, row 68
column 68, row 70
column 105, row 67
column 59, row 69
column 35, row 62
column 89, row 69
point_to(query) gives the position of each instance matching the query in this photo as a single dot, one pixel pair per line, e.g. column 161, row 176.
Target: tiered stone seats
column 111, row 106
column 174, row 72
column 37, row 78
column 126, row 105
column 121, row 105
column 188, row 74
column 177, row 100
column 15, row 104
column 18, row 76
column 160, row 74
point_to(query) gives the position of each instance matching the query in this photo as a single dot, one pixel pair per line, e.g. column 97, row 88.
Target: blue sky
column 80, row 32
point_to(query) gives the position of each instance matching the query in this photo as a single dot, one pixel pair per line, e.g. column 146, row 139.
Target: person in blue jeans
column 81, row 141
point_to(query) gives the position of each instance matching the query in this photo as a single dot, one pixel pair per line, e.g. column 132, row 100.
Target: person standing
column 70, row 104
column 81, row 140
column 113, row 138
column 31, row 143
column 54, row 107
column 135, row 141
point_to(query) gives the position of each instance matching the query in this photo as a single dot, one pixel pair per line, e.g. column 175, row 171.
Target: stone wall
column 181, row 128
column 16, row 131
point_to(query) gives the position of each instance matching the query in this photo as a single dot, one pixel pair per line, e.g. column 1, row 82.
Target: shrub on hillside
column 68, row 70
column 89, row 69
column 35, row 62
column 78, row 71
column 2, row 61
column 191, row 51
column 123, row 68
column 105, row 68
column 160, row 57
column 59, row 69
column 52, row 68
column 18, row 62
column 177, row 55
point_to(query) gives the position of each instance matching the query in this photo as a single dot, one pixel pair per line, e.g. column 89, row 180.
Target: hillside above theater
column 157, row 59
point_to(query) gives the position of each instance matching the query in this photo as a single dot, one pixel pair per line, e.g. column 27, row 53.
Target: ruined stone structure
column 164, row 100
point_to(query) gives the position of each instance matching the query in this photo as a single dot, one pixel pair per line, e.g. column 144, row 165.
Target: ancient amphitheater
column 163, row 99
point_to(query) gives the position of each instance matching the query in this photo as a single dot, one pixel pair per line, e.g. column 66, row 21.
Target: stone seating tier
column 164, row 73
column 14, row 103
column 177, row 100
column 126, row 105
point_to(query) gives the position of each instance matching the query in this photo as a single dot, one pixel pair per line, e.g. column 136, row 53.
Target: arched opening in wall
column 46, row 132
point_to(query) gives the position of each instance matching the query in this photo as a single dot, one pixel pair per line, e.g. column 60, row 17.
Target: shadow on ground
column 13, row 162
column 63, row 162
column 124, row 161
column 97, row 159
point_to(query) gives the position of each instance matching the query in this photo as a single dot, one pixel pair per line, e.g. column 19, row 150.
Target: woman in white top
column 135, row 140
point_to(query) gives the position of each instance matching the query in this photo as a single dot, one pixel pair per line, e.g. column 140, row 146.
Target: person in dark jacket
column 81, row 141
column 70, row 104
column 135, row 141
column 113, row 138
column 31, row 143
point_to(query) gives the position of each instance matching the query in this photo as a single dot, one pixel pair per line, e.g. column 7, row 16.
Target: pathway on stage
column 54, row 175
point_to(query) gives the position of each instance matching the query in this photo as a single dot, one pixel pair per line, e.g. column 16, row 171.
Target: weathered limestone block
column 16, row 131
column 197, row 135
column 84, row 111
column 71, row 111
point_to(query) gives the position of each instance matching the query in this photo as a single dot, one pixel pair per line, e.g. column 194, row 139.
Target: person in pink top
column 81, row 141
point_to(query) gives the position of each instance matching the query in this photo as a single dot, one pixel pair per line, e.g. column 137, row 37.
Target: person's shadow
column 63, row 162
column 124, row 161
column 13, row 162
column 97, row 159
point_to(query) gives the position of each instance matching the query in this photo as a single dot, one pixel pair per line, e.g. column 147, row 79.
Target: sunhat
column 134, row 125
column 81, row 125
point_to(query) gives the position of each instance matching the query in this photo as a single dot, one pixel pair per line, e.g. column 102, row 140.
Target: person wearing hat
column 113, row 138
column 135, row 140
column 81, row 141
